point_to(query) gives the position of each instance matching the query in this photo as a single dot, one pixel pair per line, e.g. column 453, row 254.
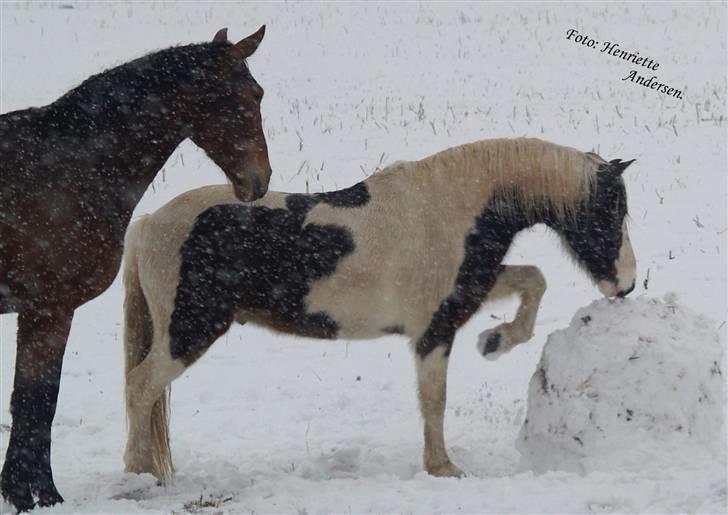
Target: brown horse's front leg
column 42, row 336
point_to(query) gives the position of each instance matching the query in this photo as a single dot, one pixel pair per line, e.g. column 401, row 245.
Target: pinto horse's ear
column 616, row 166
column 220, row 36
column 246, row 47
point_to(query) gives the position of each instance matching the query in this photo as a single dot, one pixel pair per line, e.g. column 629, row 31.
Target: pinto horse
column 72, row 173
column 413, row 250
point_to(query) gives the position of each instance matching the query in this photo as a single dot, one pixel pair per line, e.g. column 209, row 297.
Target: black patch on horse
column 485, row 246
column 595, row 234
column 354, row 196
column 261, row 261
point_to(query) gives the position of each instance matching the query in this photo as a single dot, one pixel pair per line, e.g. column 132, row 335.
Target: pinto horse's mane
column 530, row 174
column 104, row 100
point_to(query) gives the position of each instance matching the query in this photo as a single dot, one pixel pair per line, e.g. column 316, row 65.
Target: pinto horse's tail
column 138, row 340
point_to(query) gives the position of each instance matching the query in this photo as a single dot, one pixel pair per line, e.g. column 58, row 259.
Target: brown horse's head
column 225, row 121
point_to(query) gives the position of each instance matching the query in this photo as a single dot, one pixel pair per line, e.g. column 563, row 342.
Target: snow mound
column 628, row 383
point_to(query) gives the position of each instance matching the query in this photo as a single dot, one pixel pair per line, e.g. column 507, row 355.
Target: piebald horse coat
column 413, row 250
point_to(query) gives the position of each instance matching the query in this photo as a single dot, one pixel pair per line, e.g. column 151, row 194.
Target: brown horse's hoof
column 19, row 485
column 15, row 489
column 49, row 496
column 20, row 498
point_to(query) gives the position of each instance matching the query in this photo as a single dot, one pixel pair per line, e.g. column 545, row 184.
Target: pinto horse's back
column 152, row 259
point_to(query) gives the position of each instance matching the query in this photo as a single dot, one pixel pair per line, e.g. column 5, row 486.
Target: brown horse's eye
column 258, row 94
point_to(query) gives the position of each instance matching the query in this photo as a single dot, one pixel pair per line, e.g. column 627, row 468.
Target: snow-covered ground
column 622, row 387
column 270, row 424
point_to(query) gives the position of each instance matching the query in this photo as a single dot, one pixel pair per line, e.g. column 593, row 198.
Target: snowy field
column 272, row 424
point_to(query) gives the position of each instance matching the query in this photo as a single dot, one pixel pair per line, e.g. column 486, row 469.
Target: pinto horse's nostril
column 624, row 293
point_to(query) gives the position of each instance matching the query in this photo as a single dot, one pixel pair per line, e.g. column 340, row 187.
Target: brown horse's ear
column 220, row 36
column 246, row 47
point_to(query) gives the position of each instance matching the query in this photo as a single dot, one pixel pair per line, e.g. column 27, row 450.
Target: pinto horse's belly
column 321, row 324
column 364, row 314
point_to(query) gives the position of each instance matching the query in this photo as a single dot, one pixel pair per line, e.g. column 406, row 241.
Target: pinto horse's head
column 223, row 110
column 598, row 236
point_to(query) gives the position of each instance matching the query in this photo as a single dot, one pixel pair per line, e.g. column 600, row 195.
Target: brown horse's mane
column 105, row 100
column 129, row 101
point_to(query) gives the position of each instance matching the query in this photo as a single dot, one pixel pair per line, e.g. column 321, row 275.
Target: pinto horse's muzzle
column 622, row 294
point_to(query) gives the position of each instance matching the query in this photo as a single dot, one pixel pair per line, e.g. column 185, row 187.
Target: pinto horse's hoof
column 489, row 342
column 445, row 470
column 492, row 344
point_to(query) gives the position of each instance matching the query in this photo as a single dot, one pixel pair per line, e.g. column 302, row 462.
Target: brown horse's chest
column 42, row 262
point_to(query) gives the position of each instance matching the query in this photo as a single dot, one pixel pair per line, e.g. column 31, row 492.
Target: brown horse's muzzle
column 252, row 184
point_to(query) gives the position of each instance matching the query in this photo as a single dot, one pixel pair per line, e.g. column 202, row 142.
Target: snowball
column 629, row 382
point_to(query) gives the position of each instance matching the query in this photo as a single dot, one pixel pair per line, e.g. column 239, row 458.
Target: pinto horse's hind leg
column 147, row 448
column 432, row 391
column 42, row 336
column 529, row 283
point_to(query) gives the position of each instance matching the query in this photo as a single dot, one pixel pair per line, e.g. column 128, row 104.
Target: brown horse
column 72, row 173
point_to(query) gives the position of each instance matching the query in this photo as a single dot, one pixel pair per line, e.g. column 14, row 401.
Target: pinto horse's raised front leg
column 42, row 336
column 529, row 283
column 432, row 392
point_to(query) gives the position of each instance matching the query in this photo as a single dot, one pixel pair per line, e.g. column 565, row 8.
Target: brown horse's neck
column 72, row 172
column 116, row 182
column 77, row 168
column 140, row 155
column 67, row 193
column 95, row 150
